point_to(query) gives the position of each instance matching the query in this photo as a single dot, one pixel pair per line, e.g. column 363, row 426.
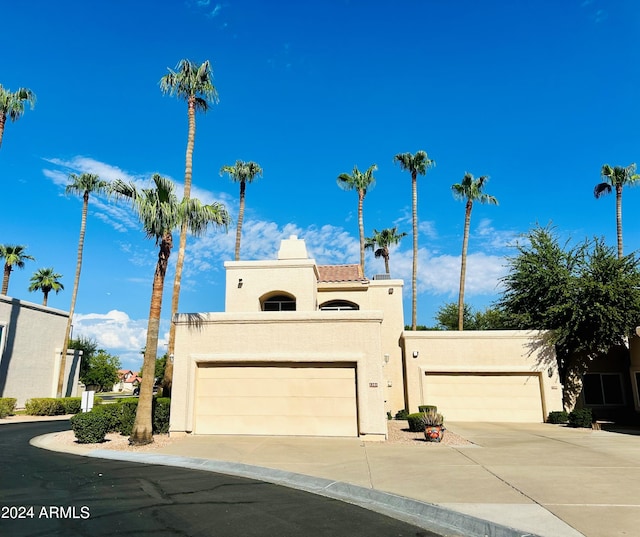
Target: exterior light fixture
column 240, row 283
column 386, row 358
column 171, row 357
column 550, row 372
column 390, row 290
column 415, row 354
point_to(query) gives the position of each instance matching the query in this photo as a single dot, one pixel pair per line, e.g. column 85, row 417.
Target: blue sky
column 537, row 95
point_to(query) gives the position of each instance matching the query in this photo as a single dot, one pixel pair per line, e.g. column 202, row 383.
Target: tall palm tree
column 360, row 182
column 243, row 173
column 383, row 239
column 84, row 185
column 617, row 177
column 14, row 256
column 161, row 213
column 194, row 84
column 469, row 189
column 46, row 280
column 12, row 105
column 417, row 164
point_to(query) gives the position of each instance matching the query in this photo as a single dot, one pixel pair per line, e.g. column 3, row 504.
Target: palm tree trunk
column 619, row 219
column 45, row 297
column 175, row 297
column 3, row 120
column 5, row 279
column 243, row 187
column 361, row 227
column 74, row 294
column 463, row 264
column 142, row 432
column 414, row 270
column 386, row 259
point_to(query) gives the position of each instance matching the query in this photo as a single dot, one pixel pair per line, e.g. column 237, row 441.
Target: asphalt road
column 47, row 494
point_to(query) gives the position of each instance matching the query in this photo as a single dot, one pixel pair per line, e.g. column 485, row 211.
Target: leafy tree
column 586, row 295
column 383, row 239
column 194, row 84
column 616, row 178
column 84, row 185
column 470, row 190
column 243, row 173
column 160, row 213
column 89, row 347
column 417, row 164
column 161, row 362
column 102, row 371
column 489, row 319
column 14, row 256
column 12, row 105
column 46, row 280
column 360, row 182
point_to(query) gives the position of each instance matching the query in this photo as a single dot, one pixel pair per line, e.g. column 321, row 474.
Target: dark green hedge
column 7, row 406
column 90, row 427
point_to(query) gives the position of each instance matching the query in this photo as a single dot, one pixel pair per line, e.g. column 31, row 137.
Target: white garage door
column 484, row 397
column 309, row 400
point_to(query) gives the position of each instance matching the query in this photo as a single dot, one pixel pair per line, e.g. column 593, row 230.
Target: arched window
column 339, row 305
column 279, row 302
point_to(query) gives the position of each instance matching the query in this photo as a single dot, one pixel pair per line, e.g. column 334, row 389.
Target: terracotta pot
column 433, row 433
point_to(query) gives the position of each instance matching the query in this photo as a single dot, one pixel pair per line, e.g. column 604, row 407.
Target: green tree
column 469, row 190
column 161, row 362
column 383, row 239
column 586, row 295
column 243, row 173
column 417, row 164
column 84, row 185
column 89, row 347
column 14, row 256
column 46, row 280
column 12, row 105
column 616, row 178
column 360, row 182
column 488, row 319
column 194, row 84
column 161, row 213
column 102, row 371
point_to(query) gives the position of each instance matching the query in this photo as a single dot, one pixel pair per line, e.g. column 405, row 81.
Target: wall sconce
column 171, row 358
column 386, row 358
column 415, row 354
column 390, row 290
column 550, row 372
column 239, row 283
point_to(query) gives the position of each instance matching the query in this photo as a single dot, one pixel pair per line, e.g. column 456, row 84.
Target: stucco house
column 128, row 380
column 307, row 349
column 31, row 338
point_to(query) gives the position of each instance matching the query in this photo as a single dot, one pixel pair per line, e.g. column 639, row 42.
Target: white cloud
column 491, row 238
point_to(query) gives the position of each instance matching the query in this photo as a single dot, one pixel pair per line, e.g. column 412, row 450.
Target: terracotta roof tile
column 340, row 273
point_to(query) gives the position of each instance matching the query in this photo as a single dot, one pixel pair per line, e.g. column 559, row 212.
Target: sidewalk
column 541, row 479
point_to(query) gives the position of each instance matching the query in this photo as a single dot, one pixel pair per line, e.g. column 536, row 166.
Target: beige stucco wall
column 301, row 336
column 491, row 351
column 30, row 346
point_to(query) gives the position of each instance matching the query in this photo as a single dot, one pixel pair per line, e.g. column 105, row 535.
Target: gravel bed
column 398, row 433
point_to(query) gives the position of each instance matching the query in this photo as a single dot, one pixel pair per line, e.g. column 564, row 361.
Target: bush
column 71, row 404
column 90, row 427
column 416, row 425
column 427, row 408
column 161, row 411
column 112, row 413
column 580, row 418
column 128, row 409
column 558, row 416
column 402, row 414
column 7, row 406
column 44, row 406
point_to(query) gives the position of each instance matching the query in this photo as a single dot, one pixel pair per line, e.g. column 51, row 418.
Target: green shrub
column 427, row 408
column 113, row 414
column 416, row 424
column 7, row 406
column 161, row 410
column 90, row 427
column 402, row 414
column 44, row 406
column 71, row 404
column 580, row 418
column 558, row 416
column 128, row 409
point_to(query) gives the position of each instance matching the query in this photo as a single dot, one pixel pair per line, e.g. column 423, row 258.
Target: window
column 339, row 305
column 603, row 389
column 279, row 303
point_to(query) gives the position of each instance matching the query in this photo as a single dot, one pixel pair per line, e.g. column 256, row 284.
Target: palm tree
column 194, row 84
column 383, row 239
column 12, row 105
column 243, row 173
column 359, row 182
column 617, row 177
column 417, row 164
column 469, row 189
column 84, row 185
column 46, row 280
column 161, row 213
column 14, row 256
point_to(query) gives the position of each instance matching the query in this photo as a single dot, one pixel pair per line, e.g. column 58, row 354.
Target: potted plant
column 433, row 425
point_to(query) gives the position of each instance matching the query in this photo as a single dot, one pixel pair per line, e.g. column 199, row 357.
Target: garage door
column 484, row 397
column 280, row 399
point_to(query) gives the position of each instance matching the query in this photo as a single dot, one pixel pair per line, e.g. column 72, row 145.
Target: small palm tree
column 14, row 256
column 161, row 213
column 194, row 84
column 46, row 280
column 12, row 105
column 617, row 177
column 84, row 185
column 383, row 239
column 417, row 164
column 360, row 182
column 243, row 173
column 469, row 189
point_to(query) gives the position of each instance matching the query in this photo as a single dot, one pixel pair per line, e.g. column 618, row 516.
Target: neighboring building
column 127, row 381
column 31, row 338
column 303, row 349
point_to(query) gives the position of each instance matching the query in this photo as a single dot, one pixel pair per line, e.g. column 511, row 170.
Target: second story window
column 279, row 303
